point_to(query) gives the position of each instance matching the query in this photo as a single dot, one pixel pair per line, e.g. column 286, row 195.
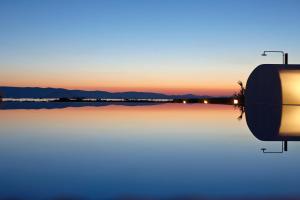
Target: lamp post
column 285, row 58
column 284, row 55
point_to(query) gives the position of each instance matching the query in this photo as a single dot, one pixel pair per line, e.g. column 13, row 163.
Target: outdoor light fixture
column 284, row 55
column 235, row 101
column 264, row 54
column 205, row 101
column 184, row 102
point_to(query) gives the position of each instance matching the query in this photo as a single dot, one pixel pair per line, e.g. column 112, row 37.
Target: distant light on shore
column 184, row 102
column 205, row 101
column 235, row 101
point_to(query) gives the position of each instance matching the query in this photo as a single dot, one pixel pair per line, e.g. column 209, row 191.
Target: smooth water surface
column 160, row 151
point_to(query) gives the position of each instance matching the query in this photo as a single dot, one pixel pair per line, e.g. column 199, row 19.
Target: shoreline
column 212, row 100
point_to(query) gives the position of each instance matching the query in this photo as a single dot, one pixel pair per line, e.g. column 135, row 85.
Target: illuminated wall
column 290, row 84
column 290, row 121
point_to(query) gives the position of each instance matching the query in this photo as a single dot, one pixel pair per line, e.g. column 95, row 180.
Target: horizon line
column 113, row 92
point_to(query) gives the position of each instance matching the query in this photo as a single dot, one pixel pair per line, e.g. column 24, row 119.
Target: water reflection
column 274, row 123
column 59, row 105
column 106, row 152
column 160, row 152
column 290, row 124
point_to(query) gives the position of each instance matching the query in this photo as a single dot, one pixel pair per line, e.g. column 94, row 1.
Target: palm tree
column 240, row 95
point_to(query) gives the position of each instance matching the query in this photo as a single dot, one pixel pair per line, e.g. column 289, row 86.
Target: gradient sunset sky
column 200, row 47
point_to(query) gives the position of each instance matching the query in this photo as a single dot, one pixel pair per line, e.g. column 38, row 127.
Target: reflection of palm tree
column 242, row 111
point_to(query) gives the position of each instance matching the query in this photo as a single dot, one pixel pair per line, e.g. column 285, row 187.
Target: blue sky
column 165, row 46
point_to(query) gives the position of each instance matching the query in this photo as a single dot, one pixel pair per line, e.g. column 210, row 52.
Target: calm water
column 160, row 151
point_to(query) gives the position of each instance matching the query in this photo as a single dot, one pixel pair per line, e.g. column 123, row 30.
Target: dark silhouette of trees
column 75, row 99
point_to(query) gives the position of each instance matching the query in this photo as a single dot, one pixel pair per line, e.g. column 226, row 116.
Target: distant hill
column 36, row 92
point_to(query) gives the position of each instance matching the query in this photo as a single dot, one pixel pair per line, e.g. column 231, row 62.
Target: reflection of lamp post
column 284, row 55
column 283, row 147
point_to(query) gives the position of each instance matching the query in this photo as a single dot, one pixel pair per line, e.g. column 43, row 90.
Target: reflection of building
column 274, row 123
column 290, row 123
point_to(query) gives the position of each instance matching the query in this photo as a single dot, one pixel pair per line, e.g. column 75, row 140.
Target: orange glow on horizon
column 153, row 81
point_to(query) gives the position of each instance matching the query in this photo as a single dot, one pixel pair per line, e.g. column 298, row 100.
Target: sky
column 170, row 46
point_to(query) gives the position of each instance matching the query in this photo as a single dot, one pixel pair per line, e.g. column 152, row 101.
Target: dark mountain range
column 36, row 92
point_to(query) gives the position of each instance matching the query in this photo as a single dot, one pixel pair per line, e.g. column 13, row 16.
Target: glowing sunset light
column 125, row 86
